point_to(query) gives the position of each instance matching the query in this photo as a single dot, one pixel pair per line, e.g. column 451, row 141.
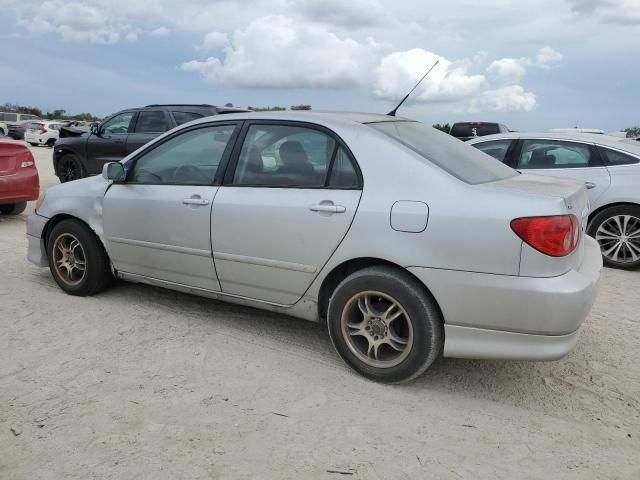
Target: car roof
column 315, row 115
column 603, row 140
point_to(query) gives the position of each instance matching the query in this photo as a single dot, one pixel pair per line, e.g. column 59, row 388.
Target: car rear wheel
column 385, row 325
column 51, row 142
column 13, row 208
column 70, row 168
column 77, row 260
column 33, row 144
column 617, row 230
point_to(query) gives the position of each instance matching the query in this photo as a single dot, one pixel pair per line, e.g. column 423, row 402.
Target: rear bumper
column 22, row 186
column 502, row 316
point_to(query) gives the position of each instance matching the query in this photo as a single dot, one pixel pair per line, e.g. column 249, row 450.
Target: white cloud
column 214, row 40
column 131, row 37
column 278, row 51
column 160, row 32
column 398, row 72
column 506, row 99
column 620, row 12
column 352, row 13
column 547, row 57
column 514, row 69
column 511, row 69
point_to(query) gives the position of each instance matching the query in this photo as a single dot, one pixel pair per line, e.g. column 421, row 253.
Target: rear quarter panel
column 468, row 226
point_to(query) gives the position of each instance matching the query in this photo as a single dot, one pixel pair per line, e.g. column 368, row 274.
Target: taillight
column 556, row 235
column 26, row 164
column 42, row 130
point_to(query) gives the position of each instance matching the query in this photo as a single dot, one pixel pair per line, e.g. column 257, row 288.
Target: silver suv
column 610, row 168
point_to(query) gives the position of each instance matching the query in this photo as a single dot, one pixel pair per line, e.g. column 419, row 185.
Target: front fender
column 82, row 199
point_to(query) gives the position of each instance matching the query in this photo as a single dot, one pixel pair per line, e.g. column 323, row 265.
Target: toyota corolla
column 407, row 242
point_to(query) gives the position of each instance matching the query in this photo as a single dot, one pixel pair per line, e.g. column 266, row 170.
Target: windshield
column 455, row 157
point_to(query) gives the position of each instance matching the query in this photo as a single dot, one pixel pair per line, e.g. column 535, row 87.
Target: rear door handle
column 589, row 185
column 195, row 200
column 327, row 208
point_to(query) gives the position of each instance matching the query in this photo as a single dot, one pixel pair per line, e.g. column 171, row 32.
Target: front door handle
column 195, row 200
column 589, row 185
column 327, row 208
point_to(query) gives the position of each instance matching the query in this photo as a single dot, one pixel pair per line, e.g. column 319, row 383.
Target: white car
column 43, row 133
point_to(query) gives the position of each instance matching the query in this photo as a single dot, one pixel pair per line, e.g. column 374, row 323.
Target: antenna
column 392, row 113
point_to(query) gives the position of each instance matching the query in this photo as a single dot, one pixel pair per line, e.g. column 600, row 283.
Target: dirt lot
column 140, row 382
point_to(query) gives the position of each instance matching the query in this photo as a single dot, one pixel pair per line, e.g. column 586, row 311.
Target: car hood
column 71, row 132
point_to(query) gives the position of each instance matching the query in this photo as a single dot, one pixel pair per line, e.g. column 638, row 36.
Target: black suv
column 79, row 153
column 468, row 130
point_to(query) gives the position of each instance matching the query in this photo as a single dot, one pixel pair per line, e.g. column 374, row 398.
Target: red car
column 19, row 181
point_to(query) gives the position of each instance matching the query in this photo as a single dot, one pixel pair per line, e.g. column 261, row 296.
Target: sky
column 530, row 64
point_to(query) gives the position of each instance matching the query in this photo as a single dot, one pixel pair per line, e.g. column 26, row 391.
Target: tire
column 33, row 144
column 13, row 208
column 617, row 230
column 66, row 267
column 51, row 142
column 408, row 344
column 69, row 168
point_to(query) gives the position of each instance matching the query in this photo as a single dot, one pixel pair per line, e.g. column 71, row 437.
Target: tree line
column 58, row 114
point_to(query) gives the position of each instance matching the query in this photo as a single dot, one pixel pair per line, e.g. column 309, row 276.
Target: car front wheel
column 617, row 230
column 77, row 260
column 385, row 325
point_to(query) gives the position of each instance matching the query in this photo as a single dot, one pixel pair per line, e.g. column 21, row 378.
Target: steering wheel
column 187, row 173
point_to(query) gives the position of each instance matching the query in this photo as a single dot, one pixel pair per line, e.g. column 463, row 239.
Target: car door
column 148, row 125
column 567, row 159
column 287, row 201
column 157, row 222
column 110, row 142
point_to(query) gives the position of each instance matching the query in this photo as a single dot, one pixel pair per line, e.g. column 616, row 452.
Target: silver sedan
column 407, row 242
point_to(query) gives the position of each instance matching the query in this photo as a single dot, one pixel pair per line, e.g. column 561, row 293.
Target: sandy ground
column 145, row 383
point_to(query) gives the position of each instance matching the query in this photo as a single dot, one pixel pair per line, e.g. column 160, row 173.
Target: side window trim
column 232, row 163
column 131, row 163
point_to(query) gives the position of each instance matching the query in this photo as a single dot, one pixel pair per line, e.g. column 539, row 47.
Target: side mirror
column 113, row 171
column 95, row 129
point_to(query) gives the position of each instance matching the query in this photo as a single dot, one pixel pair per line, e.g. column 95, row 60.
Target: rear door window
column 152, row 121
column 550, row 154
column 496, row 148
column 10, row 117
column 284, row 155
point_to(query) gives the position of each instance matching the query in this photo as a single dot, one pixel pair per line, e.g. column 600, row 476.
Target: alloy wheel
column 619, row 238
column 377, row 329
column 69, row 259
column 69, row 169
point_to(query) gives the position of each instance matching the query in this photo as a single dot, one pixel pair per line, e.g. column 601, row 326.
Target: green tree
column 300, row 107
column 632, row 132
column 445, row 127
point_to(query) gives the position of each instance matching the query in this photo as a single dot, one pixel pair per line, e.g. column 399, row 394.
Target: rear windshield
column 462, row 130
column 455, row 157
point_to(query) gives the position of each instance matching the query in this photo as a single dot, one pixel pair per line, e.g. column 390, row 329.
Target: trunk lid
column 11, row 155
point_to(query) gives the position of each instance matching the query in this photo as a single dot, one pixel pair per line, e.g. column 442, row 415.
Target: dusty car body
column 405, row 240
